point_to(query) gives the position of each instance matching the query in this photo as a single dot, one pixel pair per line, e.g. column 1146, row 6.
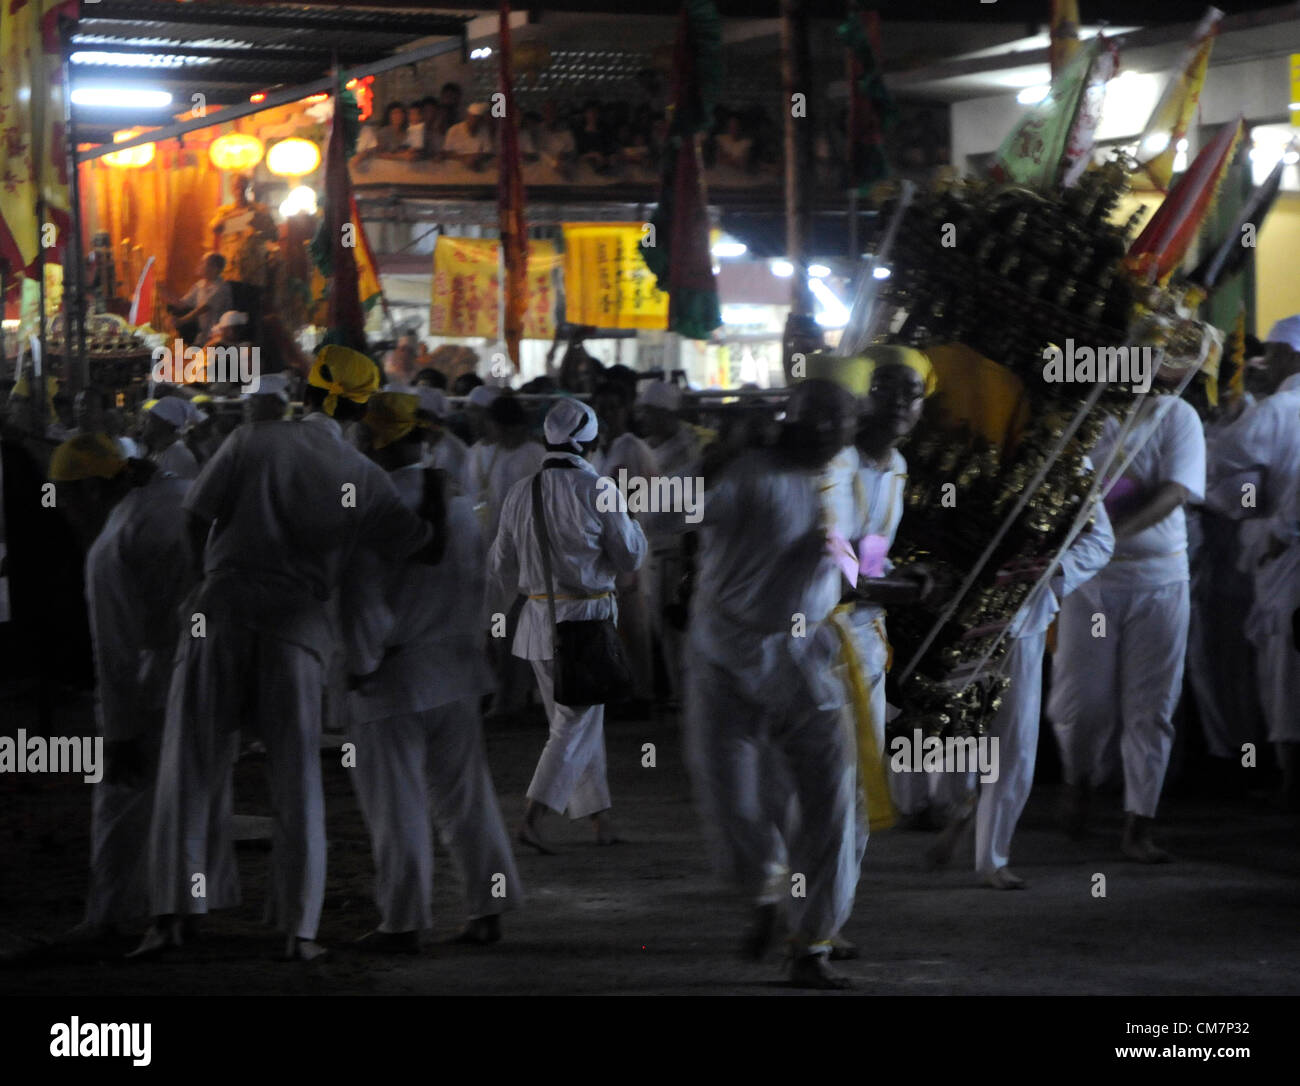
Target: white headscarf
column 572, row 423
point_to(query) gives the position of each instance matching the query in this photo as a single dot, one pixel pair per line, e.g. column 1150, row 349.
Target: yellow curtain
column 161, row 209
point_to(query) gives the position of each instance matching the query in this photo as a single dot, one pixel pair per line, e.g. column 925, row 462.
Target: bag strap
column 539, row 526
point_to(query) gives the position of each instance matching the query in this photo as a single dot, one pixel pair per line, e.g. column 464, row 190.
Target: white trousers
column 229, row 678
column 746, row 761
column 119, row 840
column 1277, row 587
column 1015, row 727
column 1127, row 682
column 570, row 775
column 412, row 772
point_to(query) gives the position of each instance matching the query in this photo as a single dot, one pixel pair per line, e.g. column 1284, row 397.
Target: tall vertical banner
column 33, row 150
column 510, row 201
column 1065, row 34
column 466, row 280
column 606, row 281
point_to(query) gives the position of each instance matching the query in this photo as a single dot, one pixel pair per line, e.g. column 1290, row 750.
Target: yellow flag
column 606, row 281
column 1172, row 117
column 31, row 125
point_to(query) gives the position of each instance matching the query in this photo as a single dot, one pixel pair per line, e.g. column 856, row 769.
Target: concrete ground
column 645, row 918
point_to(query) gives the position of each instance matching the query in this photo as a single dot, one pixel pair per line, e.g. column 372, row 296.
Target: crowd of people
column 413, row 559
column 605, row 136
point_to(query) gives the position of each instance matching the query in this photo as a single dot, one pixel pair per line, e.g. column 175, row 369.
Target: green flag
column 1033, row 153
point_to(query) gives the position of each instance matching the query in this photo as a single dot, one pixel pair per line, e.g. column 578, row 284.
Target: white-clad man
column 137, row 573
column 443, row 449
column 470, row 141
column 590, row 546
column 1123, row 634
column 1256, row 476
column 764, row 720
column 677, row 451
column 620, row 451
column 270, row 401
column 277, row 517
column 415, row 643
column 164, row 421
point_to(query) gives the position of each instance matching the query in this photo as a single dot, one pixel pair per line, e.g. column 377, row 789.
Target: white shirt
column 459, row 141
column 291, row 502
column 877, row 503
column 216, row 296
column 493, row 470
column 1171, row 449
column 414, row 630
column 629, row 452
column 589, row 548
column 763, row 567
column 178, row 460
column 137, row 573
column 451, row 455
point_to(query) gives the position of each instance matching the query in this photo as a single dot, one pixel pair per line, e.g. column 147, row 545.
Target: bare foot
column 164, row 934
column 302, row 950
column 529, row 836
column 606, row 834
column 481, row 931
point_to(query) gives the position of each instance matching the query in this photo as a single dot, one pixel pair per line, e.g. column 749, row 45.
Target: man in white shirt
column 1123, row 634
column 620, row 451
column 164, row 422
column 764, row 719
column 414, row 637
column 590, row 546
column 470, row 141
column 205, row 301
column 137, row 573
column 1256, row 478
column 443, row 449
column 276, row 517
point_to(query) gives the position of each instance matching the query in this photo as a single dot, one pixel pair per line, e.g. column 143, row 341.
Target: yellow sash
column 871, row 763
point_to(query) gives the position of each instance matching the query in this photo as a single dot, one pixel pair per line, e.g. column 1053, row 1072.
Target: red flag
column 346, row 320
column 510, row 203
column 1162, row 245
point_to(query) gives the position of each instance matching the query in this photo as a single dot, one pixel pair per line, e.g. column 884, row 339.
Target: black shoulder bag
column 590, row 665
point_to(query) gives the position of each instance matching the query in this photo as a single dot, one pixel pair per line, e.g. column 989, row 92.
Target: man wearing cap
column 589, row 547
column 764, row 720
column 277, row 517
column 414, row 637
column 469, row 141
column 1130, row 678
column 137, row 573
column 269, row 402
column 160, row 433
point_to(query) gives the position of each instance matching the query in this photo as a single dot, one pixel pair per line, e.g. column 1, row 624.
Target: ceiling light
column 724, row 249
column 882, row 273
column 121, row 98
column 818, row 271
column 1031, row 96
column 782, row 269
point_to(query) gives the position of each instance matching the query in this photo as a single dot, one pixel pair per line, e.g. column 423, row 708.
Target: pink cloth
column 1124, row 496
column 841, row 550
column 872, row 551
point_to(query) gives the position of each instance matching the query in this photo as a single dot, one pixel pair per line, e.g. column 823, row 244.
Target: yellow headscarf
column 23, row 390
column 855, row 373
column 87, row 456
column 354, row 376
column 390, row 416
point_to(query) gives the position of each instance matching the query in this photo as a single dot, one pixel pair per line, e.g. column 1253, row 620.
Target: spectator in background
column 734, row 148
column 428, row 134
column 450, row 96
column 209, row 297
column 592, row 139
column 465, row 384
column 430, row 378
column 470, row 141
column 530, row 130
column 554, row 140
column 393, row 140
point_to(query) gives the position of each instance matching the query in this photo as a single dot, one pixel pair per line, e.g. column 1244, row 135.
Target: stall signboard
column 465, row 288
column 606, row 281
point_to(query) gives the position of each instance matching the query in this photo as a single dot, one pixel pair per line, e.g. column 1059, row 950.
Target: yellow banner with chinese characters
column 465, row 286
column 606, row 281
